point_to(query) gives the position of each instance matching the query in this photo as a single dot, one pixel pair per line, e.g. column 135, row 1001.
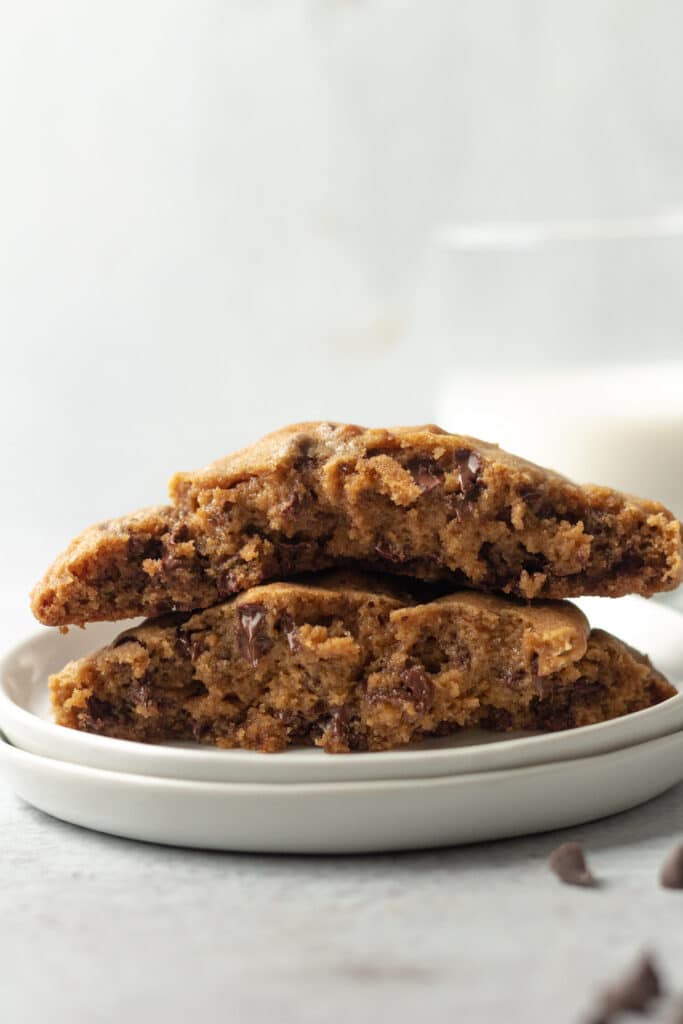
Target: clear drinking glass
column 562, row 341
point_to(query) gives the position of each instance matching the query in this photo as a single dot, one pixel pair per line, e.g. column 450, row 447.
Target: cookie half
column 350, row 662
column 412, row 501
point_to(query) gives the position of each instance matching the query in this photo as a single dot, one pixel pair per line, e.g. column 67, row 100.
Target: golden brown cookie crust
column 411, row 501
column 353, row 663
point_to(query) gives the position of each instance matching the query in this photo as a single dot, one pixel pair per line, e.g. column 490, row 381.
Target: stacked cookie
column 359, row 589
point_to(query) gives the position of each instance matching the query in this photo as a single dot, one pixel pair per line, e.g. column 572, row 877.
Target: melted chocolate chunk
column 631, row 563
column 200, row 730
column 415, row 688
column 636, row 991
column 426, row 473
column 99, row 714
column 288, row 626
column 227, row 583
column 126, row 638
column 569, row 864
column 671, row 874
column 497, row 719
column 418, row 686
column 304, row 459
column 197, row 689
column 469, row 465
column 189, row 645
column 338, row 726
column 552, row 712
column 253, row 637
column 140, row 549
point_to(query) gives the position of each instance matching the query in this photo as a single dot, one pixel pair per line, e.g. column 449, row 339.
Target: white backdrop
column 215, row 216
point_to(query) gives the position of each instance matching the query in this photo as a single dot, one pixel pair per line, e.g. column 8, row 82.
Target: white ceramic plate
column 26, row 720
column 351, row 817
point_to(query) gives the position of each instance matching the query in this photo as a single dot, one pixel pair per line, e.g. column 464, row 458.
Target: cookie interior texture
column 412, row 501
column 349, row 662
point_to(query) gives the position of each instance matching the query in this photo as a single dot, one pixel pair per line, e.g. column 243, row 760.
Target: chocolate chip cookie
column 412, row 501
column 351, row 662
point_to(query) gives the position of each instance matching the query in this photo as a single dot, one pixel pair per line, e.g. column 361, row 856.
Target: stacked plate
column 474, row 786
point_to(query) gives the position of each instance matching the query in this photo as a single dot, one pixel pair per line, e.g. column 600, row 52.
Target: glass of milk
column 563, row 342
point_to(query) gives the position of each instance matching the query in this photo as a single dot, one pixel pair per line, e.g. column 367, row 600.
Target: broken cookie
column 353, row 662
column 414, row 501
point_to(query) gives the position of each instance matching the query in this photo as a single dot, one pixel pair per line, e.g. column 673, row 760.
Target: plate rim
column 302, row 789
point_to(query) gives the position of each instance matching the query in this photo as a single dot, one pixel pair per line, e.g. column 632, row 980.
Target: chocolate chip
column 415, row 688
column 253, row 638
column 469, row 465
column 288, row 627
column 304, row 459
column 671, row 874
column 497, row 719
column 189, row 645
column 99, row 714
column 197, row 689
column 126, row 638
column 635, row 991
column 426, row 473
column 632, row 562
column 227, row 583
column 200, row 730
column 569, row 864
column 419, row 688
column 142, row 548
column 140, row 693
column 337, row 729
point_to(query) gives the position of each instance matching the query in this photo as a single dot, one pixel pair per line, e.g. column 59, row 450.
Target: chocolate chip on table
column 671, row 873
column 569, row 864
column 252, row 636
column 635, row 991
